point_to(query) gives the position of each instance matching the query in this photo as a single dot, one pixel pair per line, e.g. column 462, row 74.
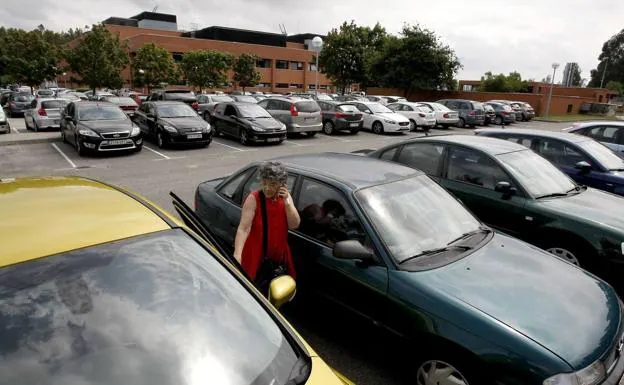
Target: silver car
column 44, row 114
column 298, row 114
column 5, row 125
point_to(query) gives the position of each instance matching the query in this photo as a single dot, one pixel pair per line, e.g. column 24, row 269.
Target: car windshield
column 607, row 158
column 175, row 111
column 24, row 97
column 348, row 108
column 323, row 97
column 378, row 108
column 425, row 108
column 253, row 111
column 537, row 175
column 154, row 309
column 101, row 113
column 246, row 99
column 415, row 215
column 222, row 99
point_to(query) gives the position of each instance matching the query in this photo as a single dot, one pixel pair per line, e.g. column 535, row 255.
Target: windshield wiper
column 470, row 234
column 435, row 251
column 300, row 372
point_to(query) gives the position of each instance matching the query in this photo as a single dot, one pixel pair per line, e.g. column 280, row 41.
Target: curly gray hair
column 272, row 171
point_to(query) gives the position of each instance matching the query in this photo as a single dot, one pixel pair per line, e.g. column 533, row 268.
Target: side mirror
column 583, row 166
column 505, row 188
column 354, row 250
column 282, row 290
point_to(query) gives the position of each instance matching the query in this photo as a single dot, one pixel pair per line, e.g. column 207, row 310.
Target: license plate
column 194, row 136
column 117, row 142
column 354, row 124
column 273, row 139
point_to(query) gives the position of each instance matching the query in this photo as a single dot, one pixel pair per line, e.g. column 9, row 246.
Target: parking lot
column 155, row 172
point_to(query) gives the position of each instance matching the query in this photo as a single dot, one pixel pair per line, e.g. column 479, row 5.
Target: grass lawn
column 574, row 118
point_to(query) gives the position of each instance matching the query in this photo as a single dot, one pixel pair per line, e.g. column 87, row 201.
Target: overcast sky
column 525, row 35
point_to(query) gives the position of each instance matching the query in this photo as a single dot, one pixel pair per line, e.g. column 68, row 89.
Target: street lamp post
column 552, row 82
column 317, row 43
column 604, row 70
column 64, row 80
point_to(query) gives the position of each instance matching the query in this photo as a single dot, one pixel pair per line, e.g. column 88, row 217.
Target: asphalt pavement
column 351, row 348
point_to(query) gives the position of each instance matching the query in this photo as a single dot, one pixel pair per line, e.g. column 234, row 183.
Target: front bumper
column 106, row 145
column 295, row 128
column 184, row 138
column 5, row 127
column 396, row 127
column 272, row 137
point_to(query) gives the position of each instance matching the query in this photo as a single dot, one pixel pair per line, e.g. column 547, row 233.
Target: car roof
column 80, row 103
column 355, row 171
column 49, row 215
column 161, row 102
column 491, row 146
column 563, row 136
column 599, row 123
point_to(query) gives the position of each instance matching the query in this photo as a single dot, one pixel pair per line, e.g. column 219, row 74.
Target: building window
column 312, row 67
column 281, row 85
column 264, row 63
column 281, row 64
column 295, row 85
column 296, row 66
column 467, row 87
column 264, row 85
column 177, row 57
column 323, row 87
column 312, row 86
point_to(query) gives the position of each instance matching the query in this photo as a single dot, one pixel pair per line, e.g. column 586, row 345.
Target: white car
column 380, row 118
column 445, row 117
column 418, row 114
column 378, row 98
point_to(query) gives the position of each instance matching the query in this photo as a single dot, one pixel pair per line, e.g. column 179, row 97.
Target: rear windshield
column 222, row 99
column 246, row 99
column 507, row 108
column 348, row 108
column 425, row 108
column 323, row 97
column 180, row 92
column 477, row 106
column 23, row 97
column 121, row 101
column 53, row 104
column 45, row 92
column 308, row 106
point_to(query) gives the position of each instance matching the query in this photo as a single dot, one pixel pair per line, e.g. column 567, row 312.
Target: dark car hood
column 561, row 307
column 104, row 126
column 266, row 123
column 191, row 123
column 591, row 205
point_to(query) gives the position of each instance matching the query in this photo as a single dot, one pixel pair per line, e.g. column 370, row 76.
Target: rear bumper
column 450, row 121
column 341, row 124
column 295, row 128
column 48, row 123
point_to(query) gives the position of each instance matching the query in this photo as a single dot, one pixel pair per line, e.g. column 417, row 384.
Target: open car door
column 193, row 222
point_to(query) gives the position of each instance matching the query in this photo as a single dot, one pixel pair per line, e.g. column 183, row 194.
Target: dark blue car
column 585, row 160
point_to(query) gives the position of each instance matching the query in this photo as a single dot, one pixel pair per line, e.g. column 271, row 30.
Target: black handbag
column 268, row 269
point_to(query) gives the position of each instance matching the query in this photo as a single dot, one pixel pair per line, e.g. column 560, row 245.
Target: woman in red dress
column 281, row 216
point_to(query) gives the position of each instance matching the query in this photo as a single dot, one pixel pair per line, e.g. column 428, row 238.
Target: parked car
column 397, row 250
column 207, row 102
column 99, row 95
column 44, row 93
column 490, row 114
column 504, row 113
column 585, row 160
column 175, row 95
column 445, row 117
column 350, row 98
column 298, row 114
column 244, row 98
column 45, row 113
column 611, row 134
column 340, row 116
column 525, row 111
column 515, row 107
column 4, row 98
column 99, row 127
column 171, row 123
column 122, row 286
column 248, row 123
column 517, row 191
column 18, row 102
column 5, row 125
column 418, row 115
column 378, row 99
column 379, row 118
column 127, row 104
column 322, row 97
column 394, row 99
column 471, row 113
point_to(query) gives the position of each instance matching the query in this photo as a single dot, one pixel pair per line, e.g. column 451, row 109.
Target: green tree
column 612, row 58
column 206, row 69
column 576, row 77
column 416, row 60
column 245, row 73
column 501, row 83
column 151, row 66
column 615, row 86
column 98, row 58
column 27, row 58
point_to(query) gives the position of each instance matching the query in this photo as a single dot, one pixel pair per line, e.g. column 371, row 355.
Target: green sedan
column 518, row 192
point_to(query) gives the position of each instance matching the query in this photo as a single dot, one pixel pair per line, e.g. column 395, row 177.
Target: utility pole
column 604, row 70
column 552, row 83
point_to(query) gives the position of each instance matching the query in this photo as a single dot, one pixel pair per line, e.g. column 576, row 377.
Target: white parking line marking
column 63, row 155
column 296, row 144
column 13, row 128
column 228, row 146
column 156, row 152
column 338, row 139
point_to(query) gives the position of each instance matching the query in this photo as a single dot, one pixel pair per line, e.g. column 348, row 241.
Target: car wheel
column 436, row 372
column 206, row 116
column 461, row 123
column 63, row 138
column 328, row 127
column 35, row 126
column 354, row 131
column 244, row 139
column 498, row 121
column 160, row 140
column 378, row 128
column 26, row 124
column 79, row 148
column 413, row 125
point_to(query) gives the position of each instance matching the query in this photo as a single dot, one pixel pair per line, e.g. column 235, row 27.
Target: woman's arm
column 292, row 215
column 244, row 227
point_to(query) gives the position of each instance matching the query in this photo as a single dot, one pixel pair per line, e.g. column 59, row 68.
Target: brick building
column 286, row 63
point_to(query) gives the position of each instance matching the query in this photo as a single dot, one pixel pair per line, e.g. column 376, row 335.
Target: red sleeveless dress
column 278, row 249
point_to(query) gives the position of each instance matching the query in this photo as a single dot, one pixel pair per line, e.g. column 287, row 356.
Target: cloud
column 526, row 36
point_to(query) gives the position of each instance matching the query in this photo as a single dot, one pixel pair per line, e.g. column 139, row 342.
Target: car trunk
column 348, row 113
column 52, row 109
column 479, row 110
column 305, row 113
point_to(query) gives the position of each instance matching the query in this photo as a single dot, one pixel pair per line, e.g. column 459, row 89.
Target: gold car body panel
column 50, row 215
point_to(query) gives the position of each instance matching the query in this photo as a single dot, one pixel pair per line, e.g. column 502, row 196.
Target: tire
column 160, row 140
column 206, row 116
column 498, row 121
column 433, row 372
column 26, row 124
column 328, row 127
column 378, row 128
column 413, row 125
column 354, row 131
column 78, row 147
column 571, row 250
column 35, row 126
column 243, row 139
column 63, row 138
column 461, row 123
